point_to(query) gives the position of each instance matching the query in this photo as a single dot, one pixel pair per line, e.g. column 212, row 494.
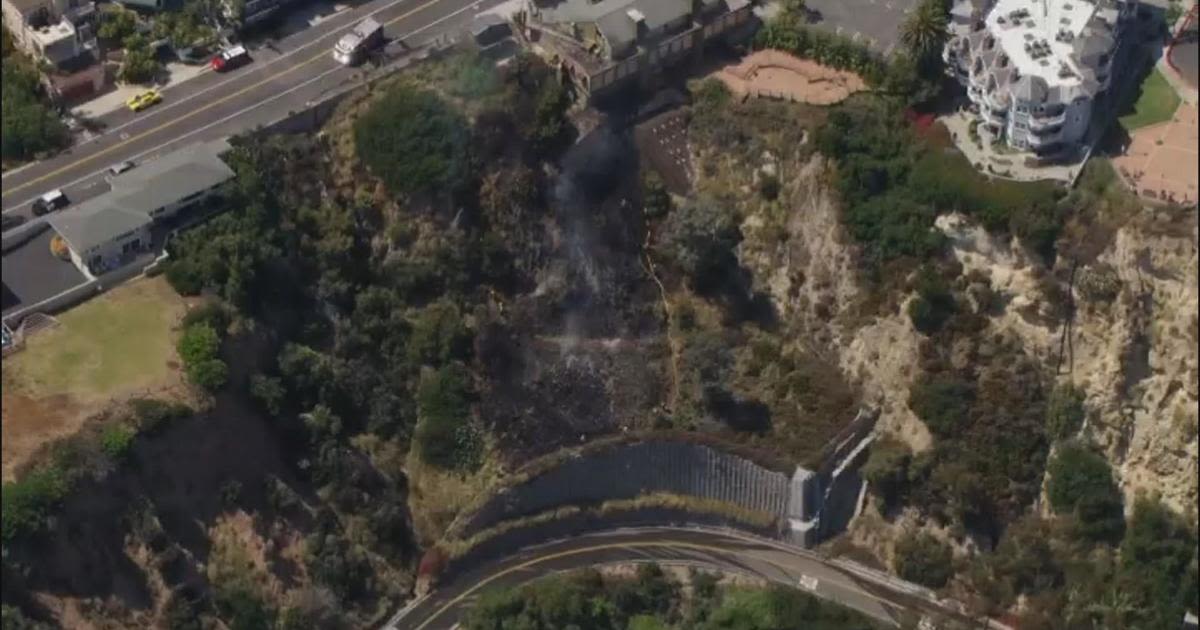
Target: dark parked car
column 49, row 202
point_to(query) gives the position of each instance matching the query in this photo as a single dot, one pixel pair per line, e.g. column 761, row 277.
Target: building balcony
column 1043, row 122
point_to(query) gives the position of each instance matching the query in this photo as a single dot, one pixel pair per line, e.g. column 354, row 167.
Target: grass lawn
column 1156, row 102
column 114, row 347
column 118, row 342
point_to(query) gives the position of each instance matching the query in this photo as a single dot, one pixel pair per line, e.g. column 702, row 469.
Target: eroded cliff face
column 1131, row 346
column 808, row 267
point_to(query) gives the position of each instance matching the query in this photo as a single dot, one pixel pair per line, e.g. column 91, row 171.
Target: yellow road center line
column 564, row 554
column 200, row 110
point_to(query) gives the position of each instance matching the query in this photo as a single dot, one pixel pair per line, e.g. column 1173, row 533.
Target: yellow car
column 144, row 100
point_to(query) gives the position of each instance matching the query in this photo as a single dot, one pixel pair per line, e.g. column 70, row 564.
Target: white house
column 1034, row 68
column 112, row 229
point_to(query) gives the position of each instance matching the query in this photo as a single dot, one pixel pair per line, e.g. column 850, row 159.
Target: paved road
column 212, row 105
column 707, row 549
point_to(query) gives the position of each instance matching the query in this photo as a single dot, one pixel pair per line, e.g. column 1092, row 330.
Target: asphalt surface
column 706, row 549
column 281, row 78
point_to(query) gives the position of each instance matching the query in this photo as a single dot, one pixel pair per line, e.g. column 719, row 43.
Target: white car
column 120, row 167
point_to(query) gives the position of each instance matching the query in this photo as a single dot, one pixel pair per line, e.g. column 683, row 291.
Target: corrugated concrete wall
column 626, row 472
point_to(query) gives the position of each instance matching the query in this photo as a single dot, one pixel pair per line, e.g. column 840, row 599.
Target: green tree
column 140, row 64
column 211, row 374
column 116, row 24
column 934, row 304
column 1081, row 483
column 924, row 31
column 922, row 558
column 29, row 127
column 413, row 141
column 1157, row 554
column 886, row 469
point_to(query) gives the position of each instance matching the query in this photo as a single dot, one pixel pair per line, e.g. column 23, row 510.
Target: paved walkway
column 1005, row 163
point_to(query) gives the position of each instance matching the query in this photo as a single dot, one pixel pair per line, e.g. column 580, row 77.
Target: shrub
column 211, row 374
column 151, row 413
column 943, row 403
column 198, row 343
column 934, row 304
column 1064, row 412
column 413, row 141
column 116, row 440
column 1081, row 482
column 922, row 558
column 212, row 313
column 443, row 405
column 439, row 335
column 886, row 469
column 269, row 392
column 27, row 501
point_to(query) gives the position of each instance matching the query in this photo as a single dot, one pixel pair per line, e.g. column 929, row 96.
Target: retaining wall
column 644, row 468
column 22, row 234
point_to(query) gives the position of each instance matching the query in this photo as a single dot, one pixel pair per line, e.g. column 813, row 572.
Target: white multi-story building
column 1034, row 68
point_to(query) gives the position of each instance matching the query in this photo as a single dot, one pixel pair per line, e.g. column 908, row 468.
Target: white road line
column 273, row 97
column 190, row 97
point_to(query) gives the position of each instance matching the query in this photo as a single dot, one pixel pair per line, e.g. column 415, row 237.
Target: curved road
column 708, row 549
column 282, row 78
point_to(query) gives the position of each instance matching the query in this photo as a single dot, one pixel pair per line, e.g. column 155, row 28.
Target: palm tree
column 924, row 31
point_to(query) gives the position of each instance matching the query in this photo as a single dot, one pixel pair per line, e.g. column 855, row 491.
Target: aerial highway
column 713, row 550
column 283, row 77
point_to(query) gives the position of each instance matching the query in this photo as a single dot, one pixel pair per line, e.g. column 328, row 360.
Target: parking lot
column 32, row 274
column 875, row 21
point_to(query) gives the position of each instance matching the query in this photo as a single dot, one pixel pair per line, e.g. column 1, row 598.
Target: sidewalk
column 1005, row 164
column 116, row 97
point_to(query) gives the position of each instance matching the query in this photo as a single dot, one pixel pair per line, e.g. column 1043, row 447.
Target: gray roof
column 138, row 192
column 192, row 169
column 95, row 222
column 620, row 29
column 617, row 28
column 1031, row 88
column 1092, row 45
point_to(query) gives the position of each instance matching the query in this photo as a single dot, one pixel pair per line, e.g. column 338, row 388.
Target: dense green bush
column 943, row 403
column 922, row 558
column 413, row 141
column 439, row 335
column 27, row 501
column 886, row 469
column 199, row 347
column 933, row 305
column 116, row 439
column 1081, row 482
column 442, row 435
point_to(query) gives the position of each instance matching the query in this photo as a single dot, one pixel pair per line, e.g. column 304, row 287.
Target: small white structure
column 112, row 229
column 1033, row 68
